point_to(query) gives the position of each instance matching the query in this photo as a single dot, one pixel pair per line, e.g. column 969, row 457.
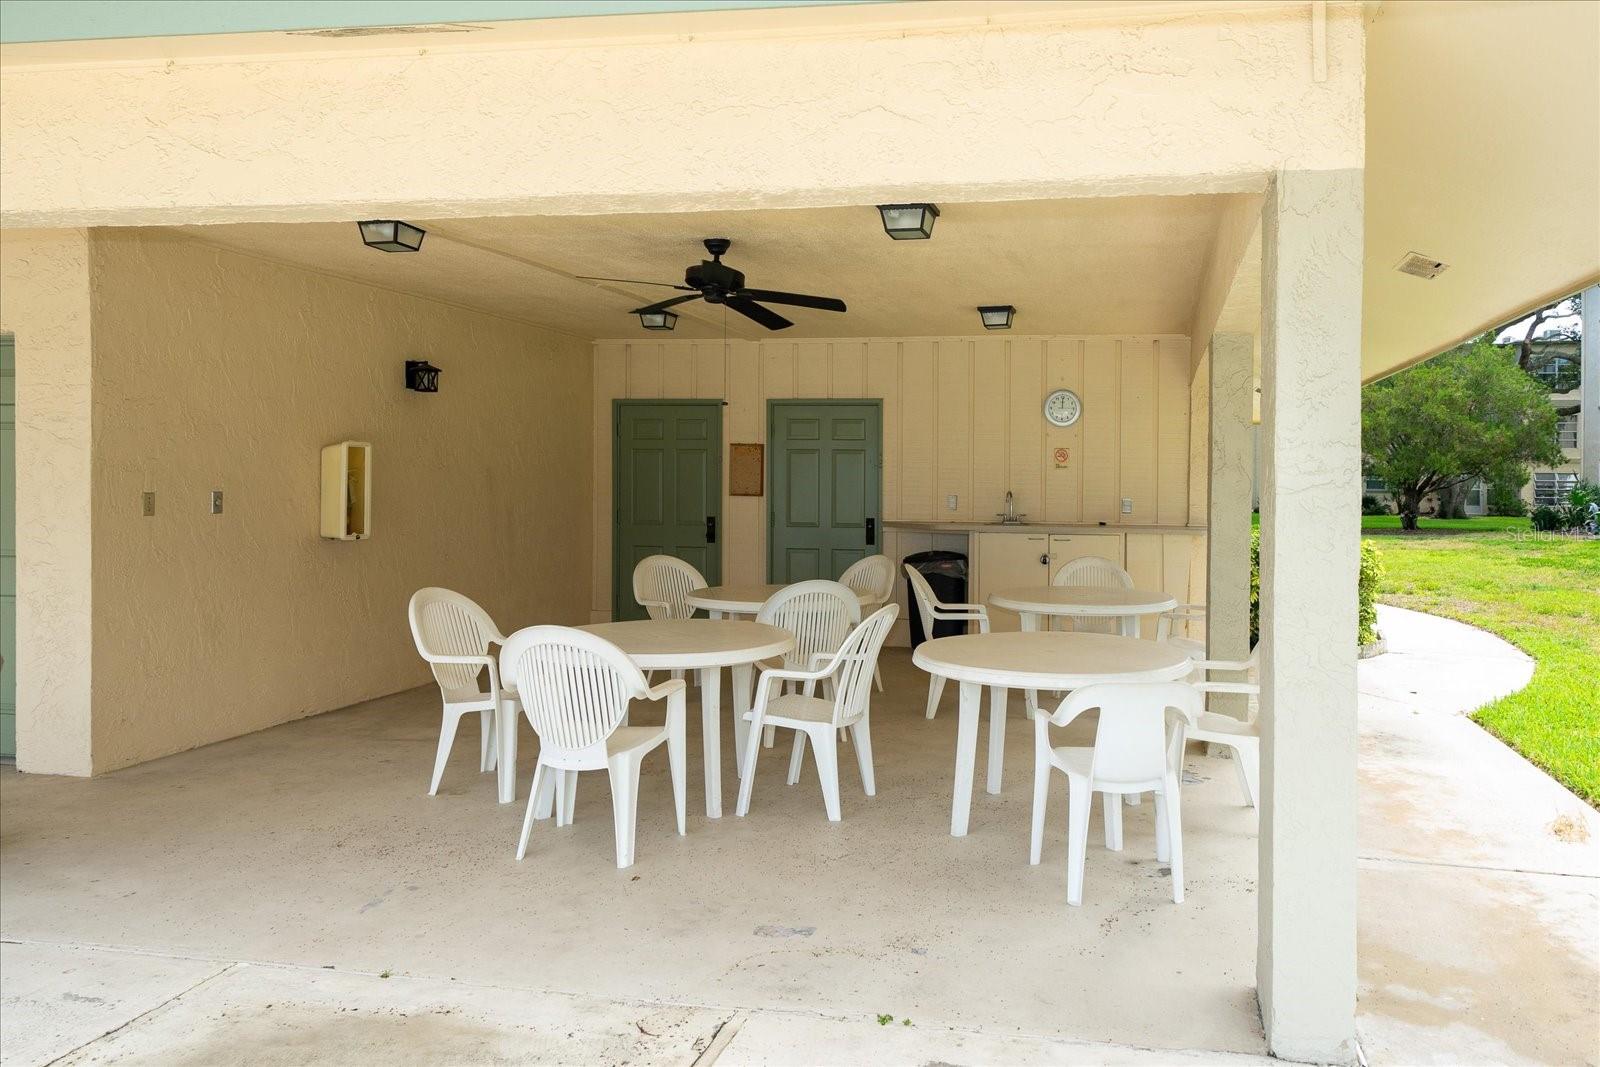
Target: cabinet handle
column 1045, row 560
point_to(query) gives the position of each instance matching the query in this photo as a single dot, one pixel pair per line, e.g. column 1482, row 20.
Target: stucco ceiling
column 1101, row 265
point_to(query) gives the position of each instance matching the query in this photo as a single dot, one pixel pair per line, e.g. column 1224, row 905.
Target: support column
column 1232, row 473
column 1310, row 542
column 1589, row 394
column 44, row 303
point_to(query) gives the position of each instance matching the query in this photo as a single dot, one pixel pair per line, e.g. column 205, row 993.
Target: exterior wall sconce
column 997, row 316
column 658, row 320
column 391, row 235
column 422, row 376
column 908, row 222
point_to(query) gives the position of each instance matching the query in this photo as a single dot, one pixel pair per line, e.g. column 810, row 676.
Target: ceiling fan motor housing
column 715, row 280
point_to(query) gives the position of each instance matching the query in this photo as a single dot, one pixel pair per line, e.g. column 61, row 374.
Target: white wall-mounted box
column 347, row 491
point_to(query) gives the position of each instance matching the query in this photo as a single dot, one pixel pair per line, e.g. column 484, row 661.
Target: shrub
column 1505, row 498
column 1583, row 494
column 1368, row 577
column 1545, row 517
column 1371, row 505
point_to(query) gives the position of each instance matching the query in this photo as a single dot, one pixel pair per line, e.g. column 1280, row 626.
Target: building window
column 1550, row 488
column 1559, row 373
column 1475, row 496
column 1567, row 431
column 1374, row 485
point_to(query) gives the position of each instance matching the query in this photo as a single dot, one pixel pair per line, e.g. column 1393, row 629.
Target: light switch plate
column 147, row 503
column 216, row 501
column 952, row 502
column 1127, row 505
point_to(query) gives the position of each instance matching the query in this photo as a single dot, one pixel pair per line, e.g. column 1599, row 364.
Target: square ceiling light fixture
column 391, row 235
column 908, row 222
column 658, row 320
column 996, row 316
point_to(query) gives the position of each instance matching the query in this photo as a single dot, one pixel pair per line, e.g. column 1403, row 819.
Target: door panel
column 825, row 463
column 667, row 484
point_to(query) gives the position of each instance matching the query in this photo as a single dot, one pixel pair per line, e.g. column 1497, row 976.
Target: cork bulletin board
column 746, row 470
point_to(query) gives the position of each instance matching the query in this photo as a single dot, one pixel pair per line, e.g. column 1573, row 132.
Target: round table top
column 1082, row 600
column 654, row 644
column 1047, row 660
column 741, row 599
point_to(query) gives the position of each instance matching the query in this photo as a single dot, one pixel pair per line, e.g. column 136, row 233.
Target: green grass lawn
column 1544, row 597
column 1481, row 524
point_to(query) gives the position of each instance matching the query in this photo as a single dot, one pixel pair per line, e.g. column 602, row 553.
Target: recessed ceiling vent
column 1421, row 266
column 387, row 31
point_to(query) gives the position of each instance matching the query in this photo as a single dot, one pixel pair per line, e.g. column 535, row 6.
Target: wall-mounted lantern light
column 997, row 316
column 422, row 376
column 658, row 320
column 908, row 222
column 391, row 235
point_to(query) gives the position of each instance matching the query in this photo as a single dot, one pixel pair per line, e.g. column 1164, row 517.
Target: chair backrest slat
column 818, row 613
column 668, row 580
column 575, row 686
column 445, row 623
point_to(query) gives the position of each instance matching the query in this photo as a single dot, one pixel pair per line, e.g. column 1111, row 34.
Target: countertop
column 1036, row 528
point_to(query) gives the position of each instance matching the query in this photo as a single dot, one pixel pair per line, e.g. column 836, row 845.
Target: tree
column 1533, row 357
column 1469, row 413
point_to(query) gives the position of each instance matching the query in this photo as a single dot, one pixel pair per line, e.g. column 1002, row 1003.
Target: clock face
column 1062, row 407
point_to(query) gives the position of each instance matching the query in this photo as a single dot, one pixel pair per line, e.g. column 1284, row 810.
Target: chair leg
column 752, row 748
column 1175, row 837
column 1078, row 797
column 677, row 756
column 798, row 757
column 862, row 731
column 541, row 779
column 1112, row 810
column 935, row 691
column 1247, row 761
column 827, row 757
column 545, row 796
column 624, row 771
column 447, row 736
column 1041, row 796
column 485, row 741
column 1163, row 853
column 877, row 677
column 566, row 797
column 769, row 737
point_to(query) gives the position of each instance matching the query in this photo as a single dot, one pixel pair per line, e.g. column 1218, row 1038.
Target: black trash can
column 946, row 573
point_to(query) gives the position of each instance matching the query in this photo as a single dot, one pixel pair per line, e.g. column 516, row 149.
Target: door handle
column 872, row 531
column 711, row 529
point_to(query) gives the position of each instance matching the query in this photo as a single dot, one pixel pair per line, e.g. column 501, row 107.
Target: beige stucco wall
column 45, row 302
column 215, row 370
column 961, row 415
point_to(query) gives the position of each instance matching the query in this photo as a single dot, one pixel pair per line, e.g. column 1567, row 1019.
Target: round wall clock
column 1062, row 407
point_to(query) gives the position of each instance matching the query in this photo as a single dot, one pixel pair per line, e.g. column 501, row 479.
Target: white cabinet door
column 1007, row 560
column 1064, row 548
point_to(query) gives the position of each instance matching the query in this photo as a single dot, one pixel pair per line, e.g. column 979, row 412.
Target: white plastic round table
column 707, row 646
column 1031, row 660
column 1126, row 605
column 721, row 600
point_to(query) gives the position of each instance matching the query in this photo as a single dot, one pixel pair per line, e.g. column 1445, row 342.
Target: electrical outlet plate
column 952, row 502
column 1127, row 505
column 147, row 503
column 216, row 501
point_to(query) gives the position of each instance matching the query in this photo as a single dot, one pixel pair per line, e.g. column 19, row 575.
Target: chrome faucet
column 1009, row 516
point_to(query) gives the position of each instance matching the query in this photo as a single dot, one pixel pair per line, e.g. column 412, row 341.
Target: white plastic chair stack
column 1241, row 736
column 1096, row 573
column 1185, row 616
column 872, row 578
column 1138, row 748
column 575, row 688
column 453, row 635
column 819, row 614
column 931, row 610
column 850, row 671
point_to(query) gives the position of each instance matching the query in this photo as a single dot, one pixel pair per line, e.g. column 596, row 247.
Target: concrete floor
column 293, row 897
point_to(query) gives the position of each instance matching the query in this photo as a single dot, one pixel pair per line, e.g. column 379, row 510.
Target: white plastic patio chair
column 1096, row 573
column 575, row 688
column 931, row 610
column 819, row 613
column 1138, row 748
column 1184, row 616
column 660, row 586
column 872, row 578
column 1241, row 736
column 453, row 635
column 849, row 669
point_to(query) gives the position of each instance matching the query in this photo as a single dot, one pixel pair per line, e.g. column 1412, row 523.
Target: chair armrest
column 665, row 689
column 1222, row 664
column 481, row 661
column 946, row 610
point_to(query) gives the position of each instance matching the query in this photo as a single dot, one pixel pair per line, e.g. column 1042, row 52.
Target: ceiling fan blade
column 663, row 305
column 751, row 310
column 799, row 300
column 632, row 281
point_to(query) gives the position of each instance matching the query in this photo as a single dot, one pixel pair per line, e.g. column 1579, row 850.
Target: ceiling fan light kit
column 908, row 222
column 657, row 320
column 391, row 235
column 996, row 316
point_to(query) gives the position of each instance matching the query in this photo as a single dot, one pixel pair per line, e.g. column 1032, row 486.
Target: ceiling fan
column 717, row 283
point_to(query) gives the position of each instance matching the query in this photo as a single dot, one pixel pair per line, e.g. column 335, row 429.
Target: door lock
column 711, row 529
column 1045, row 560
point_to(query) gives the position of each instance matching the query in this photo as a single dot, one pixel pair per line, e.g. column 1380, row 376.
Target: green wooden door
column 8, row 547
column 667, row 490
column 826, row 474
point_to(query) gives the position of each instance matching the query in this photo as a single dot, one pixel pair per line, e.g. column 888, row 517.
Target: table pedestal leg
column 711, row 727
column 966, row 756
column 997, row 735
column 742, row 697
column 1030, row 623
column 505, row 720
